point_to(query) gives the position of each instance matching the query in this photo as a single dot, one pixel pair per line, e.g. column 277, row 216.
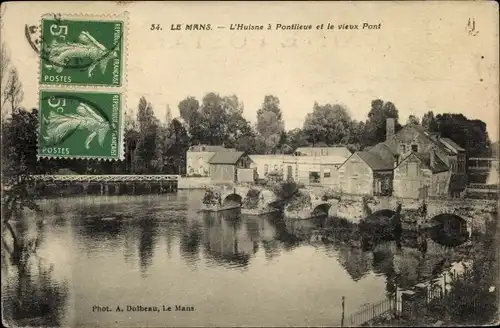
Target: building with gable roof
column 427, row 164
column 198, row 156
column 420, row 175
column 368, row 172
column 224, row 166
column 412, row 163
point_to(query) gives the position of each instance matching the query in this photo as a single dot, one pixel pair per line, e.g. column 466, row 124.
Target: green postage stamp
column 76, row 124
column 75, row 51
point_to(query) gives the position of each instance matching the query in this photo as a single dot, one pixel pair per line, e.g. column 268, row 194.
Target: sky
column 422, row 58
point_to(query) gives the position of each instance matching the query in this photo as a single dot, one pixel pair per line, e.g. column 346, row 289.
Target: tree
column 148, row 124
column 12, row 93
column 240, row 134
column 214, row 119
column 412, row 119
column 375, row 128
column 168, row 116
column 4, row 73
column 131, row 140
column 19, row 162
column 189, row 112
column 175, row 147
column 297, row 138
column 270, row 122
column 470, row 134
column 328, row 124
column 429, row 122
column 218, row 121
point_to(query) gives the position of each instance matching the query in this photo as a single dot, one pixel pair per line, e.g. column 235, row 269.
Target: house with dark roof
column 426, row 164
column 224, row 165
column 415, row 138
column 368, row 172
column 198, row 156
column 412, row 163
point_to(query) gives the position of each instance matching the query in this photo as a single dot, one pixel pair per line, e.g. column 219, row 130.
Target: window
column 402, row 148
column 314, row 177
column 414, row 148
column 461, row 164
column 453, row 165
column 266, row 169
column 326, row 173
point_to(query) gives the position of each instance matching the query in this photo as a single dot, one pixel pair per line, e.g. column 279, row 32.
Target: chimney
column 432, row 158
column 390, row 126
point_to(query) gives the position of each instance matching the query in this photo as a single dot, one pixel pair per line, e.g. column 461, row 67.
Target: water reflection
column 34, row 297
column 190, row 243
column 225, row 242
column 147, row 239
column 153, row 248
column 31, row 295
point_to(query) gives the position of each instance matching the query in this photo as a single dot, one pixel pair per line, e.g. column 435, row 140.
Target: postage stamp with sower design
column 81, row 52
column 75, row 124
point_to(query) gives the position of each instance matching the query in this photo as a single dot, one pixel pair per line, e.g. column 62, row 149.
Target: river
column 233, row 271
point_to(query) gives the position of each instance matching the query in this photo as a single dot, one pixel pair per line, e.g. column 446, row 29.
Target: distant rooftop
column 324, row 151
column 209, row 148
column 226, row 157
column 451, row 144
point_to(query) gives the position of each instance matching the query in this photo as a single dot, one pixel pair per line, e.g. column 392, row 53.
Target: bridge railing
column 105, row 178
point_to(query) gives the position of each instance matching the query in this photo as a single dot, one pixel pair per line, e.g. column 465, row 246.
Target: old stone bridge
column 354, row 208
column 238, row 192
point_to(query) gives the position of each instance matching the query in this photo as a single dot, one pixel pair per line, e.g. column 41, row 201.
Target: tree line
column 155, row 145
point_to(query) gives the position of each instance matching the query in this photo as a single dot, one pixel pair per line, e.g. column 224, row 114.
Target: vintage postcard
column 244, row 164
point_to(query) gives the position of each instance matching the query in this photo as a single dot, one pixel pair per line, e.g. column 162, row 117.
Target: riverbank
column 194, row 183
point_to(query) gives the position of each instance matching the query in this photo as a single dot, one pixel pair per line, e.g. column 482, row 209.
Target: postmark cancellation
column 78, row 124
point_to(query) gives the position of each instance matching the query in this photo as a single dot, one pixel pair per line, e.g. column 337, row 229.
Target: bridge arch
column 449, row 229
column 321, row 209
column 450, row 222
column 232, row 199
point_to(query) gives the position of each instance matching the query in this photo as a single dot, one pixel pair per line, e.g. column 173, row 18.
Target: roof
column 450, row 143
column 438, row 165
column 375, row 161
column 226, row 157
column 209, row 148
column 384, row 151
column 425, row 159
column 420, row 129
column 339, row 151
